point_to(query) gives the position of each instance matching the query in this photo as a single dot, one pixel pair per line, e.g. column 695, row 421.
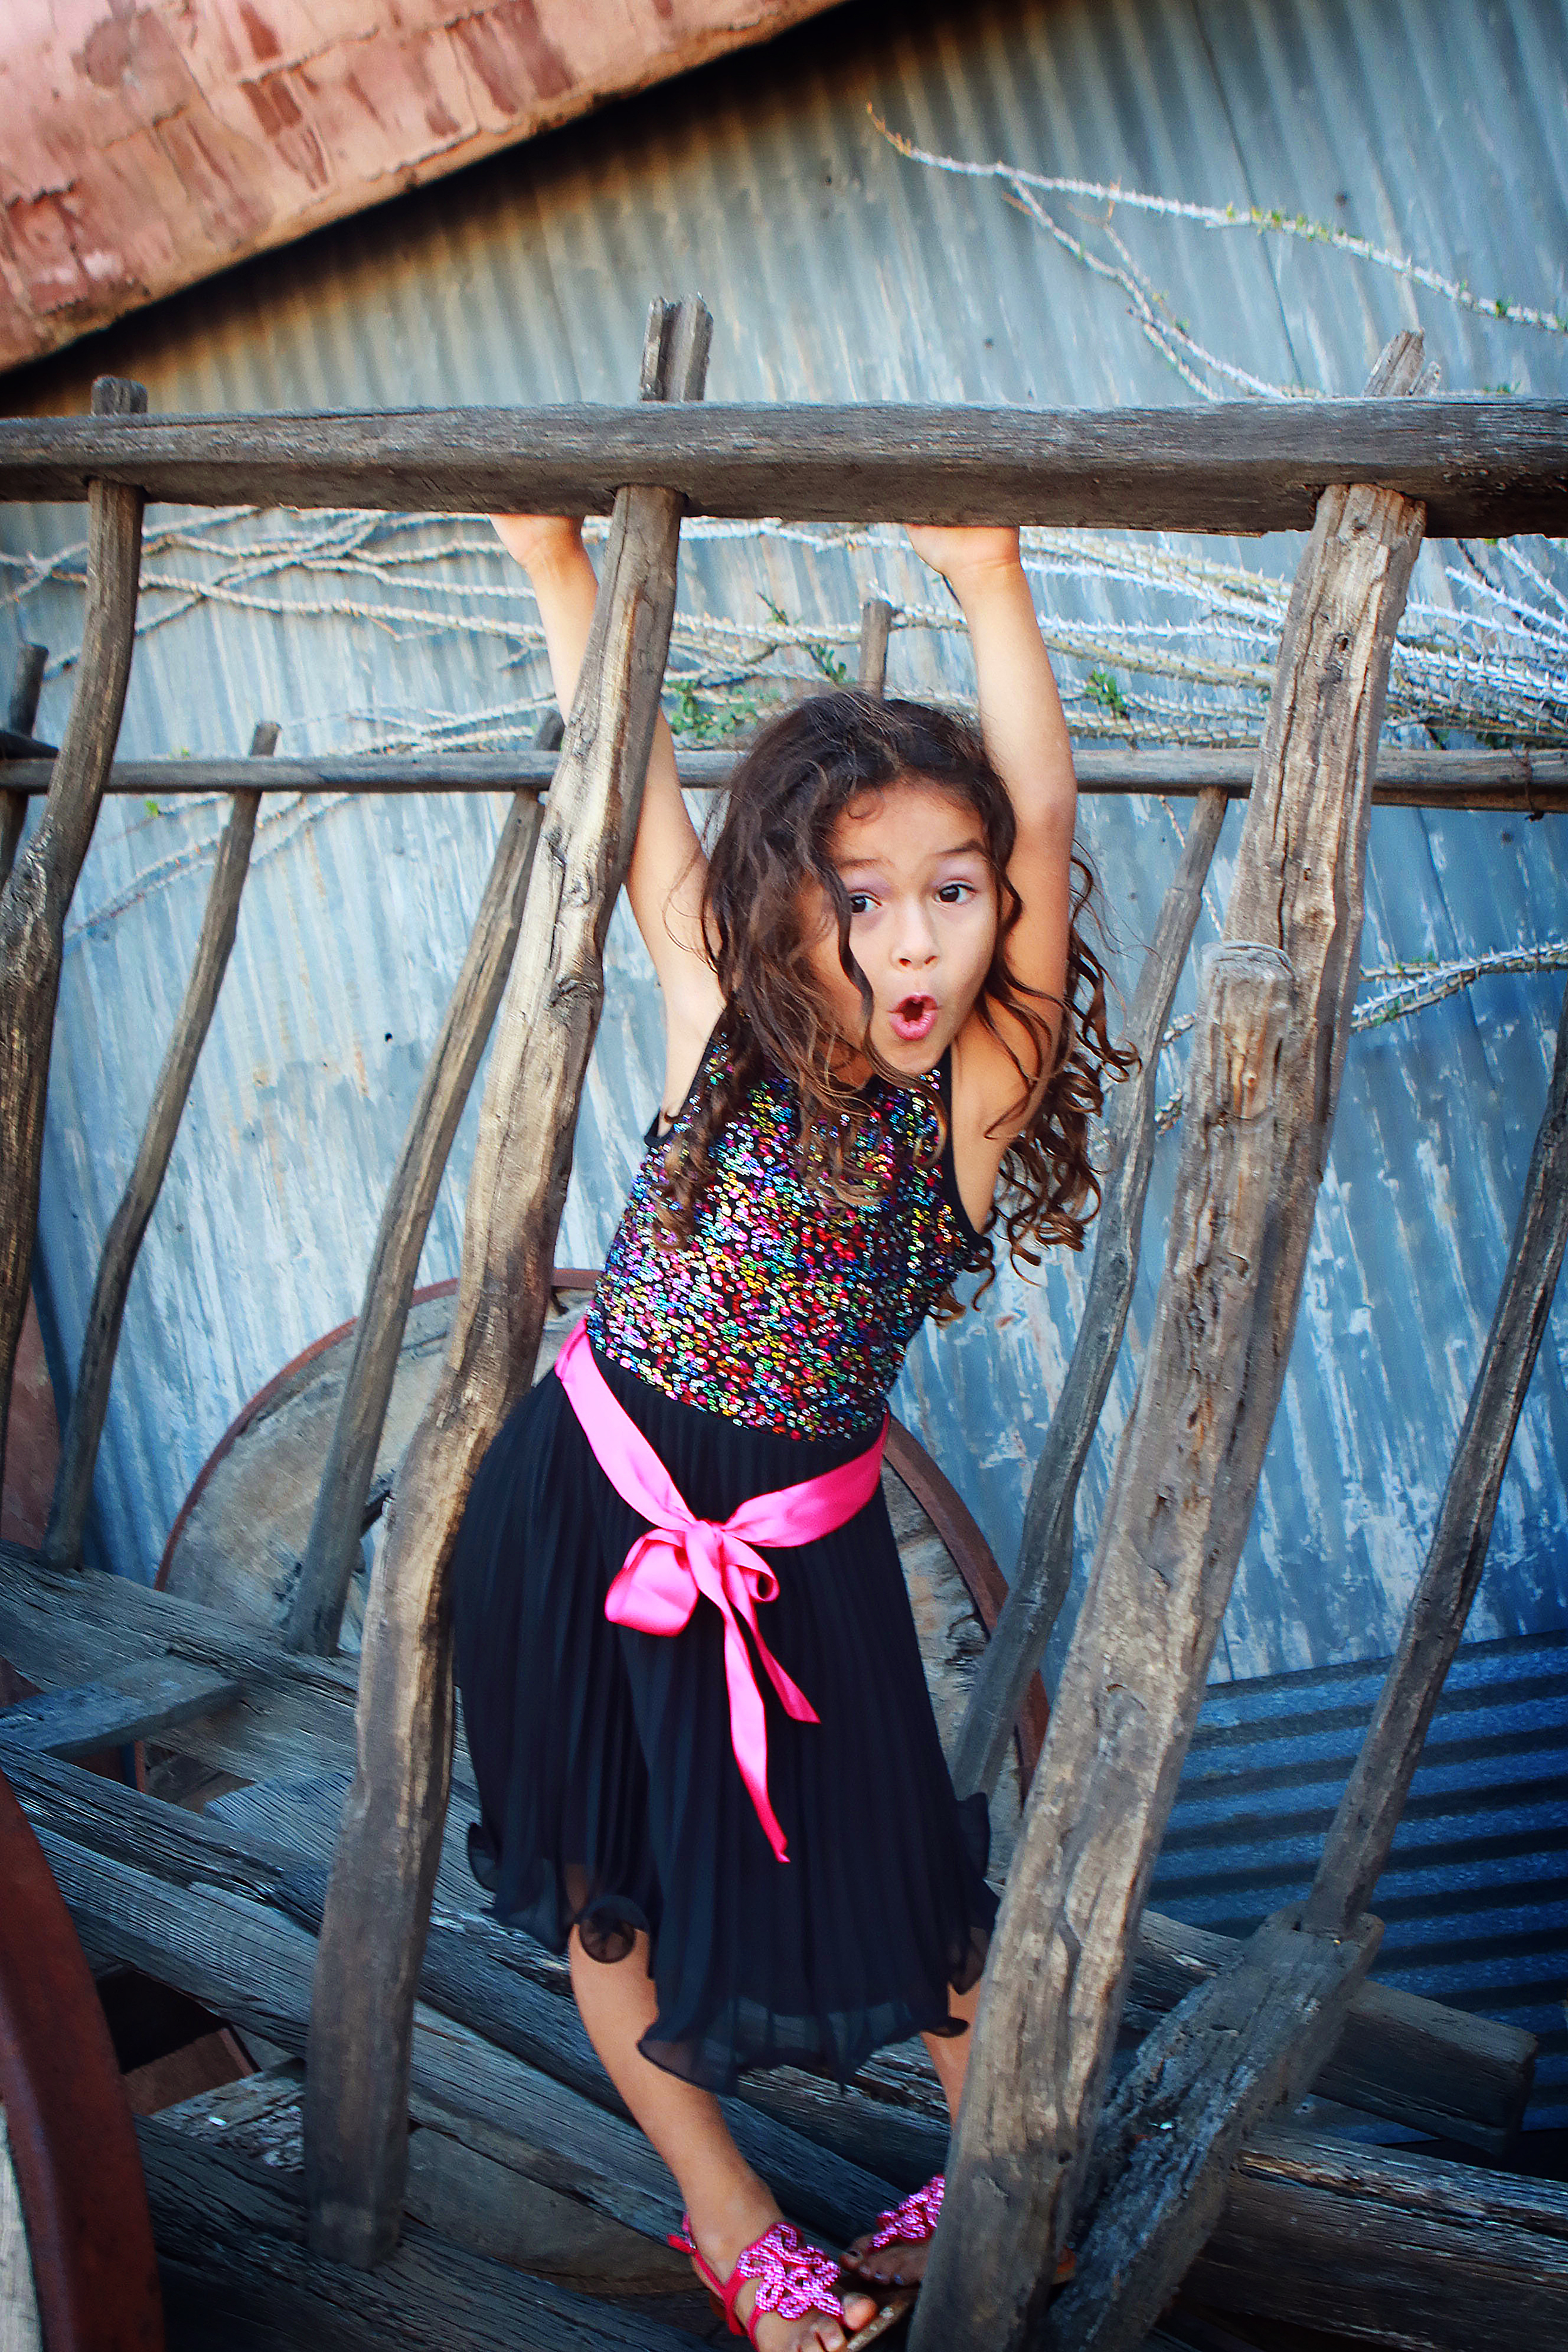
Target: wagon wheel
column 240, row 1534
column 77, row 2272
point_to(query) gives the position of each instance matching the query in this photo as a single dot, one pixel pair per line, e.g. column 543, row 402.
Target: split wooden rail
column 1039, row 2154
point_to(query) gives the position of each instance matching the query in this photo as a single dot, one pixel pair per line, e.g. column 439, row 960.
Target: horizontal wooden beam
column 1480, row 467
column 1383, row 2246
column 1531, row 782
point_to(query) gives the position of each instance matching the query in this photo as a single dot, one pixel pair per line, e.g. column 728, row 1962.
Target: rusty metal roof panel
column 147, row 148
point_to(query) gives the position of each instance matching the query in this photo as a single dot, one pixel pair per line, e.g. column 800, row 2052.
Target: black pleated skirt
column 610, row 1796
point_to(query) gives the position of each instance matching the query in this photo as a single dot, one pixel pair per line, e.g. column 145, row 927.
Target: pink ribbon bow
column 681, row 1555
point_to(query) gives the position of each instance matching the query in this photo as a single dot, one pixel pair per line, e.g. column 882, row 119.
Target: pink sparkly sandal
column 791, row 2277
column 914, row 2220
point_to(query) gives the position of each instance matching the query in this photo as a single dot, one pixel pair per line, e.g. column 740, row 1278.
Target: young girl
column 707, row 1760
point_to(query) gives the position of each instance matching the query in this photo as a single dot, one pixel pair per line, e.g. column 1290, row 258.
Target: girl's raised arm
column 1026, row 736
column 667, row 867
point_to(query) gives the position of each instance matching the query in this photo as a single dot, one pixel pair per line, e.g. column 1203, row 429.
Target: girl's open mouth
column 913, row 1019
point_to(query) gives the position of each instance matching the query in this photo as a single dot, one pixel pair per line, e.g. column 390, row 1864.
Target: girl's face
column 922, row 927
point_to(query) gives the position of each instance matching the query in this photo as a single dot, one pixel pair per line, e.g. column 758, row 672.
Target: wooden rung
column 1532, row 782
column 1483, row 467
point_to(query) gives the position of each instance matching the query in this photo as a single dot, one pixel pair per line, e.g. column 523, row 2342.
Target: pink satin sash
column 681, row 1556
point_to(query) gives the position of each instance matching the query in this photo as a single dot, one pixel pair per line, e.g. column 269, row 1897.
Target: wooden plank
column 205, row 1933
column 1044, row 1569
column 123, row 1242
column 315, row 1612
column 39, row 890
column 1262, row 1086
column 1481, row 466
column 1532, row 782
column 377, row 1904
column 1417, row 2061
column 1249, row 2043
column 1358, row 1843
column 1379, row 2244
column 62, row 1628
column 138, row 1703
column 235, row 2272
column 25, row 686
column 475, row 1974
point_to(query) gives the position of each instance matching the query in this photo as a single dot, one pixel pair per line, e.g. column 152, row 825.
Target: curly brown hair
column 785, row 795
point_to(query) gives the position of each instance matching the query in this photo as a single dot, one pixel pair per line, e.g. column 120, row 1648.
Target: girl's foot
column 722, row 2243
column 894, row 2251
column 899, row 2265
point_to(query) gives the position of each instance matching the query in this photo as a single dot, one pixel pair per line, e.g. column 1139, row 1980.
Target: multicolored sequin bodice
column 787, row 1310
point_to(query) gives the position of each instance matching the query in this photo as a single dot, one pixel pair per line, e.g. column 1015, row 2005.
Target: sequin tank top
column 787, row 1310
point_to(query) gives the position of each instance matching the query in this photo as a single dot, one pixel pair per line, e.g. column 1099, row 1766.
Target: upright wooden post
column 26, row 688
column 876, row 623
column 123, row 1242
column 34, row 898
column 1044, row 1571
column 1357, row 1846
column 378, row 1899
column 1262, row 1089
column 315, row 1613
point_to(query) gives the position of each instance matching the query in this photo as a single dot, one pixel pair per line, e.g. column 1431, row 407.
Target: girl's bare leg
column 902, row 2265
column 729, row 2205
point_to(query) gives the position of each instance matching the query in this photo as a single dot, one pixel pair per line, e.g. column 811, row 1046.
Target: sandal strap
column 793, row 2276
column 914, row 2221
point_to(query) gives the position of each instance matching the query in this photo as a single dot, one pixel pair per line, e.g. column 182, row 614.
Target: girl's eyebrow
column 958, row 849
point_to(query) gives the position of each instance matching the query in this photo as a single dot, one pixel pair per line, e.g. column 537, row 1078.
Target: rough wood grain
column 1248, row 2044
column 25, row 687
column 1379, row 2245
column 1481, row 466
column 123, row 1242
column 138, row 1703
column 871, row 667
column 211, row 1931
column 235, row 2272
column 378, row 1903
column 34, row 898
column 315, row 1611
column 1532, row 782
column 1262, row 1085
column 1044, row 1569
column 1437, row 2069
column 476, row 1975
column 1358, row 1843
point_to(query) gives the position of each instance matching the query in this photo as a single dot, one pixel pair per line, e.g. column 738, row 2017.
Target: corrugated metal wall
column 1475, row 1899
column 835, row 270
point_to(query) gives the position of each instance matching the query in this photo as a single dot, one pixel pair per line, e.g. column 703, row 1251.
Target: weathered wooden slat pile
column 324, row 1906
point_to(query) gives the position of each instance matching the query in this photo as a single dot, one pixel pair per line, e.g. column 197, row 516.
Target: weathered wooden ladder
column 1040, row 2155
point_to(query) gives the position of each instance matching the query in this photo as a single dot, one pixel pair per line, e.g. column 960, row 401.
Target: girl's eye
column 953, row 894
column 859, row 902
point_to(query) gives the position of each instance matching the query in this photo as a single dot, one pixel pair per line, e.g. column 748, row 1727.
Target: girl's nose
column 917, row 939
